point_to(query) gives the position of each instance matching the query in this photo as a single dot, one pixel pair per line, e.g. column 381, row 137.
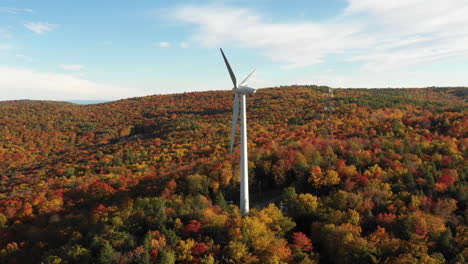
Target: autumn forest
column 363, row 176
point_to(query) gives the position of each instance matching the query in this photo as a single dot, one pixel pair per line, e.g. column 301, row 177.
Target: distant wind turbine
column 241, row 91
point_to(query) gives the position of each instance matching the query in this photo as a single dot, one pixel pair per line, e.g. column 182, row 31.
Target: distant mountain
column 363, row 176
column 80, row 102
column 30, row 102
column 87, row 102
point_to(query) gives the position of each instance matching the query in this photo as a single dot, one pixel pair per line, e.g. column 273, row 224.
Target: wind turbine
column 241, row 91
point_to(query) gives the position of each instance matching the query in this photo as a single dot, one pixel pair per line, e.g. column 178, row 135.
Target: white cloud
column 184, row 45
column 5, row 46
column 411, row 32
column 21, row 83
column 164, row 44
column 381, row 34
column 72, row 67
column 394, row 79
column 407, row 16
column 12, row 10
column 297, row 44
column 40, row 27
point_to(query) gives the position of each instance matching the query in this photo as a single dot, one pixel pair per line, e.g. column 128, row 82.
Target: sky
column 108, row 50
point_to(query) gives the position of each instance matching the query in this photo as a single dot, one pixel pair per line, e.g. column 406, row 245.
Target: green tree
column 107, row 254
column 197, row 184
column 166, row 257
column 146, row 258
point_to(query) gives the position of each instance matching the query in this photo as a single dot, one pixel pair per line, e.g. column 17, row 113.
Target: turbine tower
column 239, row 94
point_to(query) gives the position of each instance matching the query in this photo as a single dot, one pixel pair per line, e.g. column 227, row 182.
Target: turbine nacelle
column 244, row 90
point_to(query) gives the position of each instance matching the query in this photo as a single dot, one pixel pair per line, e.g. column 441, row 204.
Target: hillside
column 381, row 177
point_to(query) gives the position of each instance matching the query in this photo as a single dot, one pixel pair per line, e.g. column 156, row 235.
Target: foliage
column 380, row 177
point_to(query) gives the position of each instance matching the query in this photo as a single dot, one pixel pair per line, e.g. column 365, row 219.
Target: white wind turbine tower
column 241, row 91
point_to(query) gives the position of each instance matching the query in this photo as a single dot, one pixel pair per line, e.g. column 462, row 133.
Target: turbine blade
column 244, row 82
column 235, row 117
column 233, row 77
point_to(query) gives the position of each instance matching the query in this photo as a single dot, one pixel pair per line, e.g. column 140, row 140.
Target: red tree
column 301, row 242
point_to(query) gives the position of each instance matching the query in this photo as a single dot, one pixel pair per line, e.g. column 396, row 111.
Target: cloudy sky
column 105, row 50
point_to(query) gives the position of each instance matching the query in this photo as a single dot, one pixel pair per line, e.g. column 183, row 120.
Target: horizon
column 93, row 101
column 106, row 51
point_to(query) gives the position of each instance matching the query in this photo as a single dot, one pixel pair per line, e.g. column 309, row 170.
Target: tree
column 100, row 189
column 446, row 242
column 52, row 260
column 78, row 254
column 319, row 180
column 316, row 176
column 236, row 251
column 220, row 200
column 166, row 257
column 193, row 227
column 107, row 254
column 184, row 250
column 306, row 204
column 289, row 197
column 197, row 184
column 345, row 244
column 209, row 259
column 199, row 249
column 279, row 172
column 275, row 220
column 301, row 242
column 3, row 220
column 147, row 245
column 332, row 178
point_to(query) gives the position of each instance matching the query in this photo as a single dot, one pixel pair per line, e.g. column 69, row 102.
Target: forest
column 363, row 176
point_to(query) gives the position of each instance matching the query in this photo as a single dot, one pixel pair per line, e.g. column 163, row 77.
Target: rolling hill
column 367, row 176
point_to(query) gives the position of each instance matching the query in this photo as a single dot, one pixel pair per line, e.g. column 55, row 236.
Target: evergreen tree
column 107, row 254
column 220, row 200
column 146, row 259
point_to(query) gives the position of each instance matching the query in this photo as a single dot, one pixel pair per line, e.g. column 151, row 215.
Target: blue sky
column 105, row 50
